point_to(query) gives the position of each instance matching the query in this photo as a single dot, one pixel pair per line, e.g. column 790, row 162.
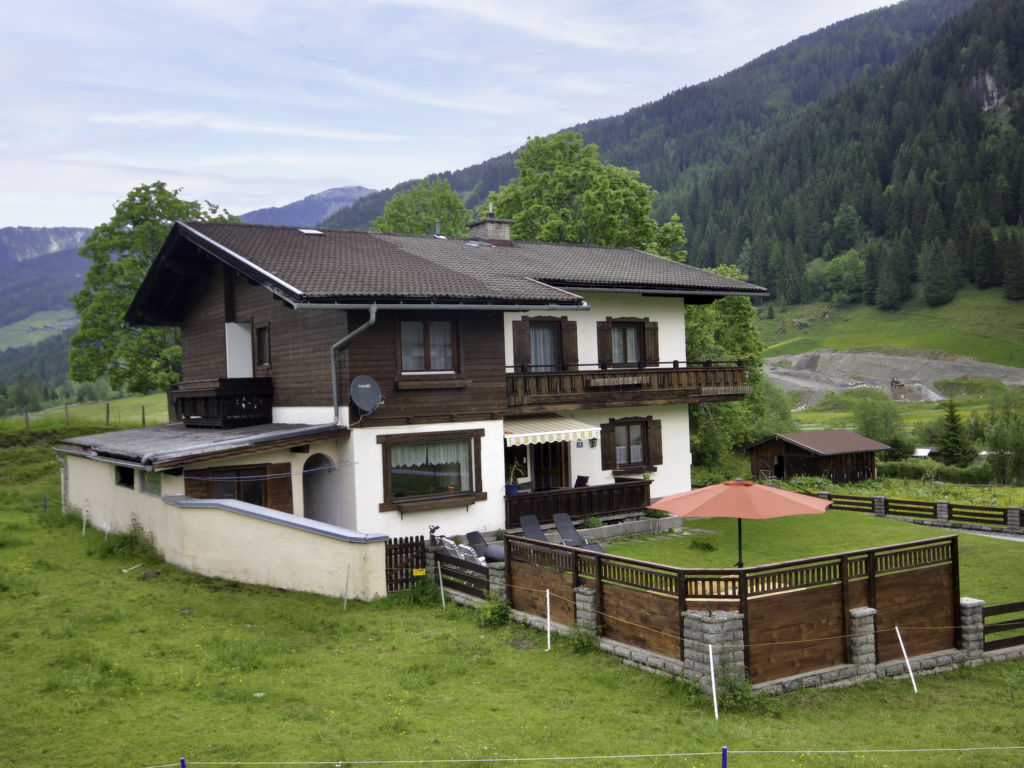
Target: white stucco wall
column 232, row 540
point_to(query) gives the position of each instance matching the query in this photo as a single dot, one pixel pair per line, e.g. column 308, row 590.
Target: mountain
column 910, row 183
column 309, row 211
column 22, row 243
column 39, row 269
column 678, row 140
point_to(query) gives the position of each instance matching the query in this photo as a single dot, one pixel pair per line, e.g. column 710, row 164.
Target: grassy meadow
column 981, row 324
column 113, row 658
column 31, row 330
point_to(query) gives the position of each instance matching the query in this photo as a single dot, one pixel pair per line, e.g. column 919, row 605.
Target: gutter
column 341, row 344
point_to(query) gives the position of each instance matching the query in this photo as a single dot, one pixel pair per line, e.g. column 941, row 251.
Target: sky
column 256, row 103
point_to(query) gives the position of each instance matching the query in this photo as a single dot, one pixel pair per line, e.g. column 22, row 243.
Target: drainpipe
column 341, row 344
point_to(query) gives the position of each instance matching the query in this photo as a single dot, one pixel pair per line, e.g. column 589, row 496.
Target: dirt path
column 815, row 374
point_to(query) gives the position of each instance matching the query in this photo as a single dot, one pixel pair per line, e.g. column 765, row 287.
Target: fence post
column 721, row 629
column 586, row 609
column 143, row 415
column 67, row 417
column 108, row 413
column 1013, row 520
column 26, row 419
column 497, row 583
column 942, row 511
column 878, row 506
column 972, row 627
column 860, row 645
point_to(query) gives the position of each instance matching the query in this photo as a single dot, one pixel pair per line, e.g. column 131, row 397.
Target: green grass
column 978, row 324
column 92, row 417
column 21, row 333
column 107, row 668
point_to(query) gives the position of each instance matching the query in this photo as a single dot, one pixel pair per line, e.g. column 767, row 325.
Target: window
column 627, row 342
column 428, row 346
column 428, row 469
column 631, row 445
column 262, row 342
column 266, row 485
column 151, row 482
column 544, row 344
column 124, row 477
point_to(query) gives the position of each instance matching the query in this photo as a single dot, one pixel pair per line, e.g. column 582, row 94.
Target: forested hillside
column 45, row 282
column 308, row 211
column 917, row 175
column 677, row 140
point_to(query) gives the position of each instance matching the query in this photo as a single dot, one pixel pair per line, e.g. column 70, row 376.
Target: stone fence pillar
column 860, row 648
column 723, row 631
column 497, row 589
column 972, row 627
column 586, row 609
column 1013, row 520
column 878, row 506
column 942, row 511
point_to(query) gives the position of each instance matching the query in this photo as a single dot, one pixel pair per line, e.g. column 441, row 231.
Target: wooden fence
column 403, row 557
column 926, row 510
column 462, row 575
column 1001, row 628
column 796, row 614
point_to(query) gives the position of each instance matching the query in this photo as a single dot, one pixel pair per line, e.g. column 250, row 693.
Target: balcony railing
column 620, row 498
column 222, row 402
column 593, row 386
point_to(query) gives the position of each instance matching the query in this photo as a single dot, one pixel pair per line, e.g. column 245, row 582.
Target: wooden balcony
column 627, row 497
column 222, row 403
column 594, row 387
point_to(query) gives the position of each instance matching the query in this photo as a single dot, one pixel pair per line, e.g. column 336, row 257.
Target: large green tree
column 565, row 194
column 121, row 252
column 954, row 445
column 414, row 211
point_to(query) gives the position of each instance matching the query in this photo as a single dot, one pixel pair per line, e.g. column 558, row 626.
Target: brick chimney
column 492, row 230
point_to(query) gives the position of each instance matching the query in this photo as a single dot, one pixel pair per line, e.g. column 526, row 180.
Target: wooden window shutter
column 604, row 342
column 654, row 454
column 279, row 487
column 651, row 355
column 608, row 445
column 197, row 484
column 570, row 352
column 521, row 344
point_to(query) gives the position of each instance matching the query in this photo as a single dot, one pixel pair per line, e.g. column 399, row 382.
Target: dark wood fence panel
column 463, row 576
column 922, row 509
column 646, row 620
column 967, row 513
column 531, row 570
column 853, row 503
column 918, row 602
column 795, row 632
column 1001, row 628
column 402, row 556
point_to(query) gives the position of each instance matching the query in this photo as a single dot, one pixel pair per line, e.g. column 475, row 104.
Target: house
column 355, row 386
column 840, row 455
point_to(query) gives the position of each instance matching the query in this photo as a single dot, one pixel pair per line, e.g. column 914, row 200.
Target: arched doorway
column 320, row 493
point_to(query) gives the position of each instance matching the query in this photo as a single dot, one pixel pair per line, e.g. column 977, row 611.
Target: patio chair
column 570, row 536
column 531, row 528
column 492, row 553
column 469, row 554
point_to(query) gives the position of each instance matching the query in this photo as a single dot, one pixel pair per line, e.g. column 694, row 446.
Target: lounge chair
column 531, row 528
column 570, row 536
column 492, row 553
column 468, row 554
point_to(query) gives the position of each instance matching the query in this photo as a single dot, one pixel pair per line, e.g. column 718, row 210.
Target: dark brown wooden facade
column 841, row 458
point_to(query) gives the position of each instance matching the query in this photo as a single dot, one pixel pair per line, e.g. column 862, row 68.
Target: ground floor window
column 265, row 485
column 430, row 467
column 151, row 483
column 124, row 477
column 631, row 445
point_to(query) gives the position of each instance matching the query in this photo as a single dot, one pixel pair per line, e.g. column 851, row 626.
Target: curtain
column 413, row 349
column 543, row 355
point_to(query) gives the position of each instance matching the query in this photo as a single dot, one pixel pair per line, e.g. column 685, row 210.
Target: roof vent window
column 310, row 231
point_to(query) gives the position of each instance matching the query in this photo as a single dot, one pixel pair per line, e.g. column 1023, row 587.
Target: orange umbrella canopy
column 742, row 499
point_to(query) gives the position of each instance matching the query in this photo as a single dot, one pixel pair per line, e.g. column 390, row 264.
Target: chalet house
column 342, row 387
column 840, row 455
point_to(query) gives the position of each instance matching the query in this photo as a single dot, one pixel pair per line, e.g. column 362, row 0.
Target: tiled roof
column 832, row 442
column 345, row 264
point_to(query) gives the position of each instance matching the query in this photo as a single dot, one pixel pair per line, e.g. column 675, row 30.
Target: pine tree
column 954, row 446
column 1013, row 270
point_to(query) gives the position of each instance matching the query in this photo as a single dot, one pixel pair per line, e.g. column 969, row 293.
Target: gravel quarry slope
column 815, row 374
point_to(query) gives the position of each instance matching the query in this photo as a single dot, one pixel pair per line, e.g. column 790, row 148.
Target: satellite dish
column 365, row 393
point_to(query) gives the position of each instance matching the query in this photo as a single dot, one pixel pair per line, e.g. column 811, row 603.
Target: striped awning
column 547, row 429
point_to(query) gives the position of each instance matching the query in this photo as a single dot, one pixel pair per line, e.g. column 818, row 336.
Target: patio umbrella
column 742, row 499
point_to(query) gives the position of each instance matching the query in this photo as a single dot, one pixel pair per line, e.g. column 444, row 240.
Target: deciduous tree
column 121, row 251
column 414, row 211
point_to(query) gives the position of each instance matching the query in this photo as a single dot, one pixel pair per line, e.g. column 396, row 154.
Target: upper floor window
column 544, row 344
column 262, row 344
column 428, row 346
column 627, row 341
column 631, row 445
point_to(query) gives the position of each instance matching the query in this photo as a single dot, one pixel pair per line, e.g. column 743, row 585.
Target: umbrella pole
column 739, row 539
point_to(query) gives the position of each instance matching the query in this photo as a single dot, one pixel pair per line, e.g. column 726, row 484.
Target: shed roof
column 338, row 266
column 829, row 442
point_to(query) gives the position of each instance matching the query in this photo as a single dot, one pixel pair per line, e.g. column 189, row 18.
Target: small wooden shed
column 839, row 455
